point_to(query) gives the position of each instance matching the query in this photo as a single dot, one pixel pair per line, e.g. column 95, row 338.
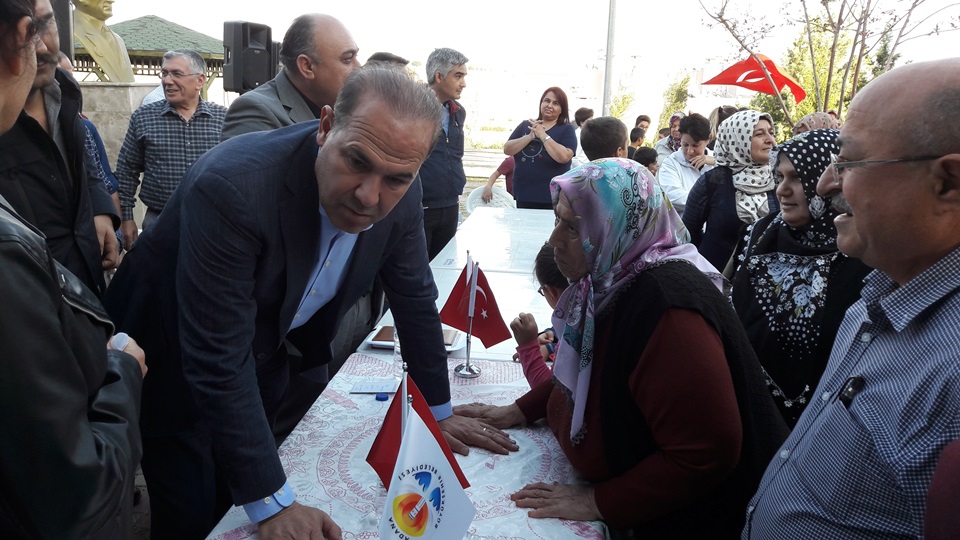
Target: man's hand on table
column 461, row 431
column 299, row 522
column 564, row 501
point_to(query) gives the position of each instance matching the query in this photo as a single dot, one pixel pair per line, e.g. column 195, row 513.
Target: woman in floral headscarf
column 793, row 285
column 663, row 409
column 738, row 191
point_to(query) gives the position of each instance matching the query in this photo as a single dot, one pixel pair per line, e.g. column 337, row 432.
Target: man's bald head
column 907, row 98
column 899, row 194
column 318, row 53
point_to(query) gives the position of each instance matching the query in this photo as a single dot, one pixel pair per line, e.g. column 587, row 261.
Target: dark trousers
column 440, row 225
column 188, row 495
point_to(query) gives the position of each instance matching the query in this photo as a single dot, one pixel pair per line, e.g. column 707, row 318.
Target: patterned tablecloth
column 324, row 459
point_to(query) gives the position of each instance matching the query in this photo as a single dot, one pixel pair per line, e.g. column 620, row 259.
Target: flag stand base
column 467, row 371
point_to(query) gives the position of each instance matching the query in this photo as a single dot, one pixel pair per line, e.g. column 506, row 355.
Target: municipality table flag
column 425, row 499
column 386, row 446
column 473, row 298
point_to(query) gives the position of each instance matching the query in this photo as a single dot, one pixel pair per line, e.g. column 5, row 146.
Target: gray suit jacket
column 274, row 105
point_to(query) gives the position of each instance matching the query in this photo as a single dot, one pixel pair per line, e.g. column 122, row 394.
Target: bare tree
column 813, row 58
column 732, row 27
column 905, row 31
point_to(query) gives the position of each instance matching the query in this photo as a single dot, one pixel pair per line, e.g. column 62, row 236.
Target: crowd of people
column 749, row 339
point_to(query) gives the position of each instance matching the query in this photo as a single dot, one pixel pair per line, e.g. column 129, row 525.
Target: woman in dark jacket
column 735, row 193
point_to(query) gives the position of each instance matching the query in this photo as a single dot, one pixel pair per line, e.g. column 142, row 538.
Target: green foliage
column 674, row 99
column 798, row 65
column 621, row 102
column 883, row 53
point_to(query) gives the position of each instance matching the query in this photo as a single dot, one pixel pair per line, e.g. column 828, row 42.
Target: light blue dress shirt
column 329, row 271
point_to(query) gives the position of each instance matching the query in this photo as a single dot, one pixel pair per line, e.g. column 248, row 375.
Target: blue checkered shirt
column 858, row 465
column 162, row 145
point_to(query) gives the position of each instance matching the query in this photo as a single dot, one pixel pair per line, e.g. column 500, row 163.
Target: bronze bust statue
column 104, row 46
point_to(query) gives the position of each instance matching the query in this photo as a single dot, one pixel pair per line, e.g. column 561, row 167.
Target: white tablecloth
column 324, row 459
column 500, row 239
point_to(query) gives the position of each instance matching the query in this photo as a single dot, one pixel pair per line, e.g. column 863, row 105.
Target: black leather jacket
column 69, row 409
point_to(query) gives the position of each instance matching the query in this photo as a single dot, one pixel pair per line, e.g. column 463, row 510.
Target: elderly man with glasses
column 859, row 461
column 165, row 138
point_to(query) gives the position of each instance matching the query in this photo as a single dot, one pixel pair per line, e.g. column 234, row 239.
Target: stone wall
column 109, row 106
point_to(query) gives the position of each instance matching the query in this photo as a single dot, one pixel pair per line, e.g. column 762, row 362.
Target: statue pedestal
column 109, row 106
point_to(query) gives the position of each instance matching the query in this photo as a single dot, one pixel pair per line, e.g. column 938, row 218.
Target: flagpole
column 468, row 370
column 406, row 400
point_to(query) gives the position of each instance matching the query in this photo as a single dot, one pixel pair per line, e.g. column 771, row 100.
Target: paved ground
column 481, row 163
column 141, row 512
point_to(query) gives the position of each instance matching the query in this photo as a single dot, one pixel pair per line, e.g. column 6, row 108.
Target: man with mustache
column 46, row 174
column 270, row 238
column 859, row 461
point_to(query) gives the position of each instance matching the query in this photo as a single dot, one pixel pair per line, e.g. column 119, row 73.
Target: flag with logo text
column 383, row 454
column 425, row 499
column 472, row 296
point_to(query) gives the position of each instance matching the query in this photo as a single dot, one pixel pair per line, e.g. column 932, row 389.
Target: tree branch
column 720, row 18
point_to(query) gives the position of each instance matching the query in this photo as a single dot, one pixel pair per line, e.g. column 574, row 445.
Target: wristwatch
column 547, row 138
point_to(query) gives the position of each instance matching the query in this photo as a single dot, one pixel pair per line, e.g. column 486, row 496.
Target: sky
column 562, row 40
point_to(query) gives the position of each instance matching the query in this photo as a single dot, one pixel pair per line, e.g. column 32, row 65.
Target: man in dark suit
column 244, row 260
column 317, row 54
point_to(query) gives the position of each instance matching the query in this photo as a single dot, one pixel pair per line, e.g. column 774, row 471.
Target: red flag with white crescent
column 472, row 293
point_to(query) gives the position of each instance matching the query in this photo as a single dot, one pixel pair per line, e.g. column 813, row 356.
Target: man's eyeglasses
column 541, row 291
column 175, row 74
column 840, row 166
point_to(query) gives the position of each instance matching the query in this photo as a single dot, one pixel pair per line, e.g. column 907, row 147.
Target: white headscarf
column 752, row 180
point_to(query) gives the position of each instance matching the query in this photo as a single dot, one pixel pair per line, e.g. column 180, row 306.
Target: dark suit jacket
column 273, row 105
column 222, row 272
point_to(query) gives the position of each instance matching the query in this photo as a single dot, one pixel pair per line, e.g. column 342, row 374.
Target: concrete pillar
column 109, row 106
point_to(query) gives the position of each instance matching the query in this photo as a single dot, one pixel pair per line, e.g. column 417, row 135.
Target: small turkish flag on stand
column 474, row 298
column 386, row 447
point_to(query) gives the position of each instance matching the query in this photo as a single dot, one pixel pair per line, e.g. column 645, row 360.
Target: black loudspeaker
column 248, row 56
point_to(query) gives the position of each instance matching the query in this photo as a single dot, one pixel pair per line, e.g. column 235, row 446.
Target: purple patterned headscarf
column 674, row 144
column 627, row 226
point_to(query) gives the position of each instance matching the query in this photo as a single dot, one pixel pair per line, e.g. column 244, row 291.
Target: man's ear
column 305, row 66
column 437, row 78
column 947, row 171
column 621, row 152
column 326, row 124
